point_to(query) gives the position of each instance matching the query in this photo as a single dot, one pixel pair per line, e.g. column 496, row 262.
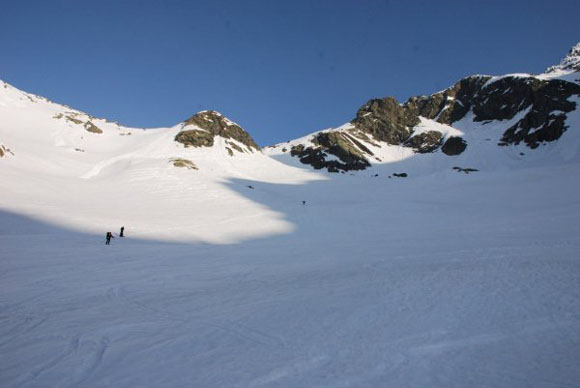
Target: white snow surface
column 441, row 279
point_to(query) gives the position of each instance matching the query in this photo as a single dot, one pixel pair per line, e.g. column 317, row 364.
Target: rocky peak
column 213, row 124
column 571, row 62
column 386, row 120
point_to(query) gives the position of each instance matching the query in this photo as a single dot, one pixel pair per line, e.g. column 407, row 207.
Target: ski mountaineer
column 122, row 231
column 109, row 236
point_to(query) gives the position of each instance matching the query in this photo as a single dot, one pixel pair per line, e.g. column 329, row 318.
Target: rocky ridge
column 543, row 101
column 201, row 129
column 570, row 63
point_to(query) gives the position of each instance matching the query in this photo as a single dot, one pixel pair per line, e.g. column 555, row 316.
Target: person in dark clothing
column 108, row 238
column 122, row 231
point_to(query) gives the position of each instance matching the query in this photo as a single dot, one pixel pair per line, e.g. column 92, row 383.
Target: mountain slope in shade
column 545, row 106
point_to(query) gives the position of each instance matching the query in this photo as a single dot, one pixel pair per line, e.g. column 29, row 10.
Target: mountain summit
column 570, row 63
column 504, row 110
column 200, row 129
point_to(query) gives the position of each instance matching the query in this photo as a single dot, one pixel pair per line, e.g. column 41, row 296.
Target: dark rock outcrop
column 386, row 120
column 465, row 170
column 547, row 103
column 333, row 143
column 449, row 105
column 195, row 138
column 425, row 142
column 214, row 124
column 454, row 146
column 544, row 104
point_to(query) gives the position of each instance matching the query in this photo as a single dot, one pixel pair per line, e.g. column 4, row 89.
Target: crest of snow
column 570, row 63
column 427, row 125
column 514, row 75
column 567, row 69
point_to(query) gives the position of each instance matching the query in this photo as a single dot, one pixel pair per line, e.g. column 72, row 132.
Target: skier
column 304, row 202
column 109, row 236
column 122, row 230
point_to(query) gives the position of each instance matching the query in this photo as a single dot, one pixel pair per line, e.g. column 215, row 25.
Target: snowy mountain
column 443, row 254
column 62, row 164
column 509, row 110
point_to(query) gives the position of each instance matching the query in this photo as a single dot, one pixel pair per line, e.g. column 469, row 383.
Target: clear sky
column 281, row 69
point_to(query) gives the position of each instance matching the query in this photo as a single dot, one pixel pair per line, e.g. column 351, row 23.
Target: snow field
column 474, row 286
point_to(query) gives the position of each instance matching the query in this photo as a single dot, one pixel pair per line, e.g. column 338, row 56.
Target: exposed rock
column 425, row 142
column 450, row 105
column 90, row 127
column 534, row 128
column 5, row 151
column 548, row 103
column 454, row 146
column 73, row 120
column 218, row 125
column 465, row 170
column 386, row 120
column 400, row 175
column 343, row 146
column 490, row 99
column 185, row 163
column 195, row 138
column 348, row 150
column 235, row 146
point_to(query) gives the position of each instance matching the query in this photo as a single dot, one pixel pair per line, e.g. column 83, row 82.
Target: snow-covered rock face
column 570, row 63
column 200, row 130
column 428, row 124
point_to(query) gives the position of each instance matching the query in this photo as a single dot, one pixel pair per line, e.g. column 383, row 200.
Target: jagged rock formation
column 342, row 145
column 211, row 124
column 386, row 120
column 425, row 142
column 543, row 101
column 571, row 62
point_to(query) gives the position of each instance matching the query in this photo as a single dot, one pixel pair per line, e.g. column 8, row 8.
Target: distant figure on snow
column 122, row 231
column 304, row 202
column 108, row 238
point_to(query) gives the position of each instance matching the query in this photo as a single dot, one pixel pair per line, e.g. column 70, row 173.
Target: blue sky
column 281, row 69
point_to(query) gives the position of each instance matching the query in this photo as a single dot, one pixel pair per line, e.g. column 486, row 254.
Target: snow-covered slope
column 288, row 276
column 60, row 168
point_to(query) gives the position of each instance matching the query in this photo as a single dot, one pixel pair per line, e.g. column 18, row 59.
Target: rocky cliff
column 540, row 102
